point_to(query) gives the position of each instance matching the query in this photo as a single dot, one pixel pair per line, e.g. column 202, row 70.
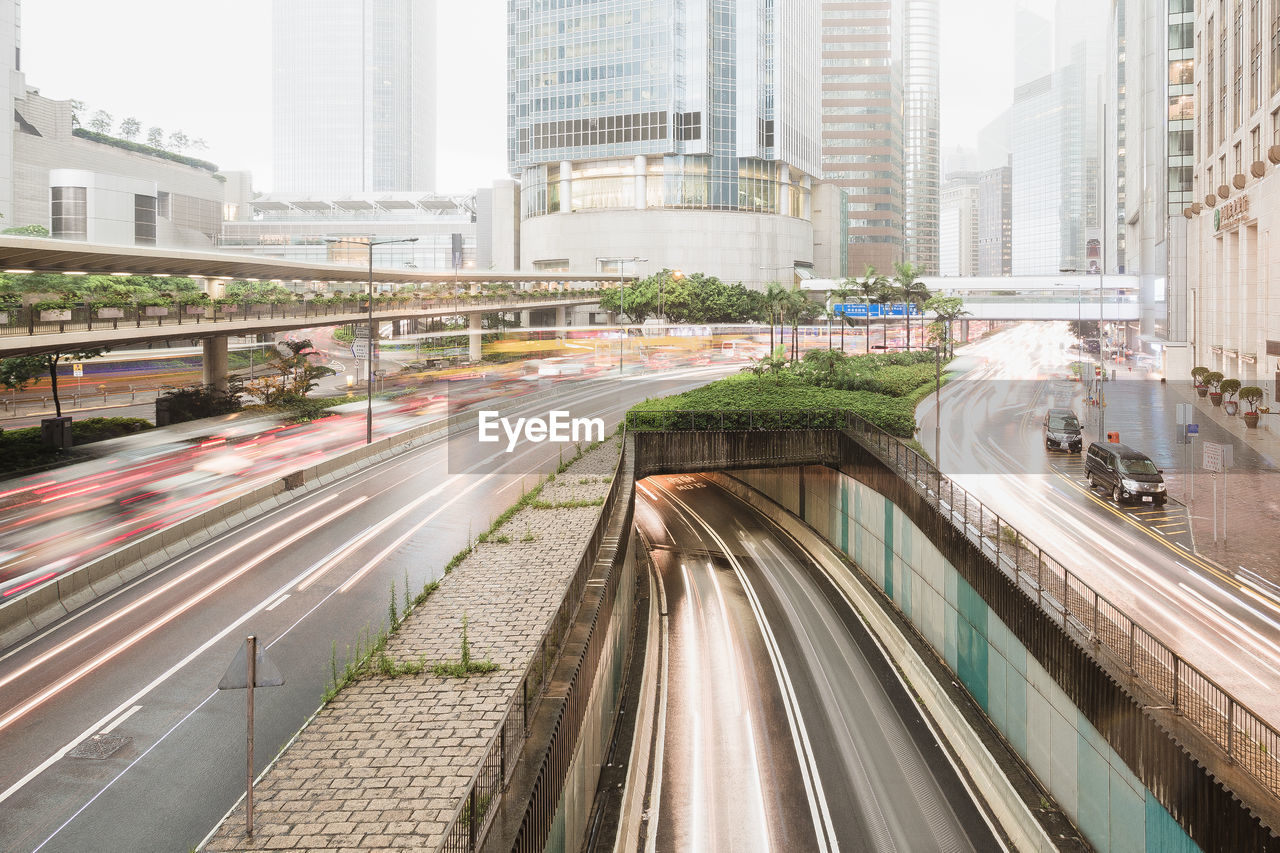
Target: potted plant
column 1214, row 380
column 54, row 310
column 1251, row 396
column 1229, row 387
column 1197, row 376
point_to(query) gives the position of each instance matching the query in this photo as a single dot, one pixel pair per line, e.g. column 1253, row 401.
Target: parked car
column 1127, row 473
column 1062, row 430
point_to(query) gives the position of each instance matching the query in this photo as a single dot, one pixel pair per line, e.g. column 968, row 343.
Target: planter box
column 110, row 313
column 197, row 310
column 59, row 315
column 4, row 317
column 155, row 311
column 260, row 309
column 1231, row 407
column 1203, row 392
column 1215, row 397
column 230, row 309
column 1251, row 420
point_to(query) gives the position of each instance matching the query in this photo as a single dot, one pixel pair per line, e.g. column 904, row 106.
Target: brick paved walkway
column 1143, row 413
column 385, row 765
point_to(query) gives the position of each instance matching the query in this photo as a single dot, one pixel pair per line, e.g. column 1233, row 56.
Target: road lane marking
column 818, row 807
column 281, row 600
column 128, row 642
column 120, row 719
column 66, row 645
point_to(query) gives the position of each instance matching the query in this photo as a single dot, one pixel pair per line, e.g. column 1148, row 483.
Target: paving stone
column 386, row 764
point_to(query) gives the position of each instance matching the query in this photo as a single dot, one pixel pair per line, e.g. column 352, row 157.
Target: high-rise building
column 1150, row 103
column 921, row 180
column 1055, row 143
column 958, row 225
column 665, row 134
column 995, row 222
column 353, row 96
column 1234, row 271
column 11, row 86
column 880, row 140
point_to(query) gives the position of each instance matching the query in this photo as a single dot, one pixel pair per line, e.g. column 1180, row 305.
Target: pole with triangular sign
column 250, row 668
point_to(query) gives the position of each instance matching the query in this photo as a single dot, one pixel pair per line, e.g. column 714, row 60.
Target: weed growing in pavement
column 466, row 666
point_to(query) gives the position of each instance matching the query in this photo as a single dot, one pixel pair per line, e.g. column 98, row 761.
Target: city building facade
column 1234, row 271
column 995, row 222
column 921, row 178
column 666, row 135
column 464, row 233
column 958, row 229
column 353, row 96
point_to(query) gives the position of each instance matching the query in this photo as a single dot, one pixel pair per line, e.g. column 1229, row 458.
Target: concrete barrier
column 45, row 604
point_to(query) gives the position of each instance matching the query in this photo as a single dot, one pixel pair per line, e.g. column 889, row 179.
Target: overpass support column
column 561, row 317
column 474, row 325
column 526, row 319
column 215, row 362
column 964, row 331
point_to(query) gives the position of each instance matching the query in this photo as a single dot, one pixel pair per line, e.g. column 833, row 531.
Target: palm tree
column 843, row 292
column 871, row 288
column 947, row 309
column 911, row 290
column 774, row 293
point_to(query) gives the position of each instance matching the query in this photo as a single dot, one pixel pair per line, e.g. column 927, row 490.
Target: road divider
column 40, row 606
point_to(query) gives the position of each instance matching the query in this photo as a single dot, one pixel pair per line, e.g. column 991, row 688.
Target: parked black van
column 1062, row 430
column 1127, row 473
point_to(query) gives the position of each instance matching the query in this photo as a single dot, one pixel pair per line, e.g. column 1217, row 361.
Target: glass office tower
column 353, row 95
column 661, row 108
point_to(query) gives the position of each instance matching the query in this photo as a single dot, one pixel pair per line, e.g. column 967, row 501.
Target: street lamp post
column 622, row 294
column 368, row 418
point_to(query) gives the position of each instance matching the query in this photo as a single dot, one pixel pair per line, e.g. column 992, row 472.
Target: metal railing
column 466, row 832
column 28, row 320
column 1247, row 739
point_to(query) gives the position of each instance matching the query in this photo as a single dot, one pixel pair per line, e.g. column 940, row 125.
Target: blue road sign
column 1193, row 429
column 875, row 312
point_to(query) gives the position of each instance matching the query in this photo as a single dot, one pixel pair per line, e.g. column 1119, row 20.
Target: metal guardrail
column 28, row 321
column 1251, row 742
column 472, row 819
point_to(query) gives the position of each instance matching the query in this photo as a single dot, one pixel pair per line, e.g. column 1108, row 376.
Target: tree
column 947, row 309
column 198, row 144
column 843, row 292
column 155, row 137
column 77, row 109
column 101, row 122
column 130, row 128
column 910, row 290
column 774, row 295
column 295, row 376
column 796, row 308
column 179, row 141
column 871, row 287
column 17, row 373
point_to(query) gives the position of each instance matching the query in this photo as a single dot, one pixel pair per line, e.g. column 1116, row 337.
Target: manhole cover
column 100, row 746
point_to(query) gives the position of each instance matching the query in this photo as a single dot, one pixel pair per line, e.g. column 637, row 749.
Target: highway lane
column 143, row 664
column 782, row 726
column 1225, row 623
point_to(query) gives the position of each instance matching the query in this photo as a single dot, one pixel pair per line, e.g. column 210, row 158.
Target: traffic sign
column 360, row 349
column 77, row 369
column 875, row 311
column 1217, row 457
column 1193, row 429
column 1184, row 414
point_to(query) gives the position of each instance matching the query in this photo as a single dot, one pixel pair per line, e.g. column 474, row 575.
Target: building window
column 144, row 220
column 1181, row 107
column 70, row 213
column 1180, row 143
column 1239, row 158
column 1256, row 136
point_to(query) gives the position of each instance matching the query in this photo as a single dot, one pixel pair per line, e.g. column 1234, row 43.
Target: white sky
column 208, row 73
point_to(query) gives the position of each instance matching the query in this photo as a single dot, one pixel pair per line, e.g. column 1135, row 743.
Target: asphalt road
column 782, row 726
column 136, row 672
column 1226, row 622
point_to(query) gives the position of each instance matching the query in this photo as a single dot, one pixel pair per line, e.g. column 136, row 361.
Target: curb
column 43, row 605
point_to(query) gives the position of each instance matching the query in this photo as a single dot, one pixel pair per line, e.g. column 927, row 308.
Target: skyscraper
column 11, row 86
column 862, row 127
column 353, row 95
column 921, row 179
column 683, row 134
column 958, row 225
column 995, row 222
column 880, row 139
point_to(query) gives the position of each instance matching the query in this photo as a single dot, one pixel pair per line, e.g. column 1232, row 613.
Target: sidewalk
column 1144, row 413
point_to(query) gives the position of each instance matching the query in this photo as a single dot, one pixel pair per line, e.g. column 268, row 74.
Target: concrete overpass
column 27, row 331
column 1111, row 298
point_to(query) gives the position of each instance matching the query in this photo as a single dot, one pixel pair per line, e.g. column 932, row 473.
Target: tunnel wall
column 1089, row 779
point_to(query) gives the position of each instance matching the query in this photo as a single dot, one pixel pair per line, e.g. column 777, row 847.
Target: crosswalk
column 1171, row 521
